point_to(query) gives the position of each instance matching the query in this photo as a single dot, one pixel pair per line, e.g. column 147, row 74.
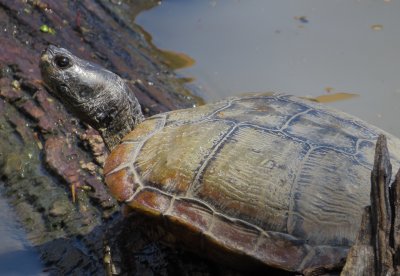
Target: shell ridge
column 278, row 131
column 171, row 203
column 227, row 105
column 258, row 243
column 291, row 212
column 123, row 165
column 286, row 124
column 208, row 158
column 358, row 152
column 132, row 197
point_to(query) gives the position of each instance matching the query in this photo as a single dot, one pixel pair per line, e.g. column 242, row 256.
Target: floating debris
column 302, row 19
column 335, row 97
column 329, row 89
column 377, row 27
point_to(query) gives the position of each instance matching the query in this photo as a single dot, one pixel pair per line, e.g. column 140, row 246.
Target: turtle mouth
column 47, row 55
column 45, row 59
column 45, row 63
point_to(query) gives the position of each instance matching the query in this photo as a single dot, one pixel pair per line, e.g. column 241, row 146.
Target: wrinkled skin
column 94, row 94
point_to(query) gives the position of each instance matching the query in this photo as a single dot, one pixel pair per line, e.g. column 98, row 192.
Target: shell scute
column 322, row 129
column 150, row 201
column 317, row 196
column 120, row 156
column 193, row 213
column 250, row 180
column 281, row 250
column 268, row 112
column 174, row 170
column 121, row 184
column 235, row 234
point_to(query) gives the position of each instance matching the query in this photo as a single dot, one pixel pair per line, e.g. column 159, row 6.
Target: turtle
column 264, row 179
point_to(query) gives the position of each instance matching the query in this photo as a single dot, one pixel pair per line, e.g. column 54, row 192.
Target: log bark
column 44, row 151
column 376, row 250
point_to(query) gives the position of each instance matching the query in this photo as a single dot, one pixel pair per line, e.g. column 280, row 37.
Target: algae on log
column 44, row 150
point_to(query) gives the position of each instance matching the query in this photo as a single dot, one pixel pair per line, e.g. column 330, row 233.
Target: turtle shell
column 273, row 178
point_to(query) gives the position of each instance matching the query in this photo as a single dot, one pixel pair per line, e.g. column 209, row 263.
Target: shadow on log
column 376, row 250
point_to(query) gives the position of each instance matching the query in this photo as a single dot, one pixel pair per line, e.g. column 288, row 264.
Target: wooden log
column 376, row 250
column 44, row 150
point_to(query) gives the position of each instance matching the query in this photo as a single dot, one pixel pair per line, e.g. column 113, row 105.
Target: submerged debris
column 377, row 27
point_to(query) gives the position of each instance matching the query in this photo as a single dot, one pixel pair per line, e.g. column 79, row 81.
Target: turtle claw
column 73, row 188
column 109, row 266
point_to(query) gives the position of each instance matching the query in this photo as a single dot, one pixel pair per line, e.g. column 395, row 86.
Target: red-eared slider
column 264, row 177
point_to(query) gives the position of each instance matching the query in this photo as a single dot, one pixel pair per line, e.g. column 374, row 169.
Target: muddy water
column 17, row 256
column 335, row 49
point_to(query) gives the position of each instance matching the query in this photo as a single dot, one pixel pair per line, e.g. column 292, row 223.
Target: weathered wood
column 395, row 201
column 376, row 250
column 381, row 213
column 360, row 260
column 44, row 150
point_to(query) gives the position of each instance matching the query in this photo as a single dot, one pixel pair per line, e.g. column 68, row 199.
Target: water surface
column 17, row 256
column 301, row 47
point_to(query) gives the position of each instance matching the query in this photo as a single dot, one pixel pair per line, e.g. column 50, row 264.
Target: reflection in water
column 289, row 46
column 331, row 98
column 172, row 59
column 17, row 257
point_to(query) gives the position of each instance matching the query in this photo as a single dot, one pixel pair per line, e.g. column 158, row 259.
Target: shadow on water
column 31, row 263
column 17, row 255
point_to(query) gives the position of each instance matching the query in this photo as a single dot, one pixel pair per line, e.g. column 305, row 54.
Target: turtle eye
column 61, row 61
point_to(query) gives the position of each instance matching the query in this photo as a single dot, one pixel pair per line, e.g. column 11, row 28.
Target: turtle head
column 95, row 95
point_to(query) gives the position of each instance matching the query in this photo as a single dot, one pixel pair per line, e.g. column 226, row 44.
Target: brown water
column 327, row 49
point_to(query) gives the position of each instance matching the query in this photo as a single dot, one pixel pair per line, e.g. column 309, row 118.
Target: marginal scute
column 120, row 155
column 193, row 213
column 280, row 250
column 150, row 201
column 121, row 184
column 235, row 234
